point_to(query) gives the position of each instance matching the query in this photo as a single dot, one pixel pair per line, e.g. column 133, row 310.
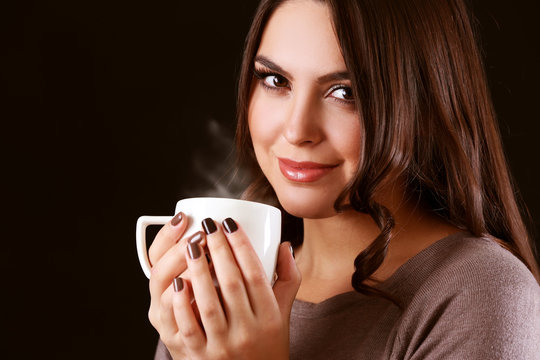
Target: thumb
column 289, row 278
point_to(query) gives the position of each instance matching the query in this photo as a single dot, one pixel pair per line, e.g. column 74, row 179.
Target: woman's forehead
column 299, row 36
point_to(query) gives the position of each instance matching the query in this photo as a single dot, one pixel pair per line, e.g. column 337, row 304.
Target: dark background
column 115, row 109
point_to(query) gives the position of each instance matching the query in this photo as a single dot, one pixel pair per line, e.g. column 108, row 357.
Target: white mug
column 260, row 222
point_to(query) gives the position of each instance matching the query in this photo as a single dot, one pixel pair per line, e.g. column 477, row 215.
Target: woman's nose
column 302, row 126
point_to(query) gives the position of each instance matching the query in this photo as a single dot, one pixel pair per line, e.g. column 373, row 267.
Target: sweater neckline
column 310, row 309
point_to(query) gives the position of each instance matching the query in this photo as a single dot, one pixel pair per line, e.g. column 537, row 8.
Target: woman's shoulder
column 469, row 262
column 469, row 294
column 463, row 262
column 465, row 275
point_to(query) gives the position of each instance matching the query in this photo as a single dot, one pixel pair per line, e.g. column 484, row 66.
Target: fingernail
column 194, row 250
column 229, row 225
column 178, row 284
column 196, row 238
column 291, row 250
column 176, row 219
column 209, row 226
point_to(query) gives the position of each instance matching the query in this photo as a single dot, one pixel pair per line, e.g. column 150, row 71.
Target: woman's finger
column 167, row 321
column 288, row 280
column 186, row 320
column 229, row 276
column 172, row 264
column 257, row 284
column 167, row 236
column 204, row 291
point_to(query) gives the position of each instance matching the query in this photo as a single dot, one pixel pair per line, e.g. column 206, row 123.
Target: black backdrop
column 115, row 109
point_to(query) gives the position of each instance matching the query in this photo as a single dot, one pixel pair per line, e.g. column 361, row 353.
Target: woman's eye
column 275, row 81
column 343, row 93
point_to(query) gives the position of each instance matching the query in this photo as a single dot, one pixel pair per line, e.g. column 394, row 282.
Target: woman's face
column 302, row 116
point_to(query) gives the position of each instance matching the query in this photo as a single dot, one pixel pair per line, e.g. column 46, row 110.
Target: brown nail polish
column 194, row 250
column 176, row 219
column 178, row 284
column 229, row 225
column 209, row 226
column 196, row 238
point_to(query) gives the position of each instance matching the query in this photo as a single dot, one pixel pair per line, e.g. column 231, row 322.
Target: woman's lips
column 304, row 171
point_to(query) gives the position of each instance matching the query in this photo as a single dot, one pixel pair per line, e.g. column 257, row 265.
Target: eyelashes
column 278, row 81
column 275, row 82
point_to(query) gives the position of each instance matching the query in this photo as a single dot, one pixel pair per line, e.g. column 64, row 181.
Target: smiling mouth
column 304, row 171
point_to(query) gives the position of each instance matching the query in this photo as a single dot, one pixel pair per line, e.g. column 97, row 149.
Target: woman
column 370, row 124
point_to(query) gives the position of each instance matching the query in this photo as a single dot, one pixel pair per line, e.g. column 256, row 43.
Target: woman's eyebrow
column 271, row 65
column 334, row 76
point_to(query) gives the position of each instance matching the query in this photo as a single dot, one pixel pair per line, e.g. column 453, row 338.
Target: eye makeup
column 345, row 88
column 262, row 74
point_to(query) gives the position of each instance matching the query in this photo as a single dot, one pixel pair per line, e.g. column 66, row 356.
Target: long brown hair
column 426, row 114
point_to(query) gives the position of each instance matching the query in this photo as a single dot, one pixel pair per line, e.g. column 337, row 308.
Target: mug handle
column 140, row 237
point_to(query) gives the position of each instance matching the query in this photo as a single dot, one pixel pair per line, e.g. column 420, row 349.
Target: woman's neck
column 326, row 257
column 335, row 240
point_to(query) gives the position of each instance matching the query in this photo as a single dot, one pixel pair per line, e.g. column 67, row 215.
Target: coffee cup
column 260, row 222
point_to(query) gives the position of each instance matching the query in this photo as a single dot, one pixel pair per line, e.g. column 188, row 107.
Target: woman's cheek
column 265, row 116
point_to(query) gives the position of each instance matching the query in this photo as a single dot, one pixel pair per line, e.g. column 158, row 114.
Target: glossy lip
column 303, row 171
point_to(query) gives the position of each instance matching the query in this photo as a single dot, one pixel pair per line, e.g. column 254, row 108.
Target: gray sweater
column 461, row 298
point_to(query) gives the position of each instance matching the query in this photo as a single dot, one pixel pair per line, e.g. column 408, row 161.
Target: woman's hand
column 167, row 256
column 247, row 319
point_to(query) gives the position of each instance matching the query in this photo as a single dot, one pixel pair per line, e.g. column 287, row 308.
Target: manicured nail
column 291, row 250
column 194, row 250
column 229, row 225
column 176, row 219
column 209, row 226
column 178, row 284
column 196, row 238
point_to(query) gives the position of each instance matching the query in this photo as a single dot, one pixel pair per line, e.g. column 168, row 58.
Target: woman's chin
column 307, row 208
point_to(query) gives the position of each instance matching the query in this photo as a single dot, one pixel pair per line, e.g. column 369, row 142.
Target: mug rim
column 213, row 198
